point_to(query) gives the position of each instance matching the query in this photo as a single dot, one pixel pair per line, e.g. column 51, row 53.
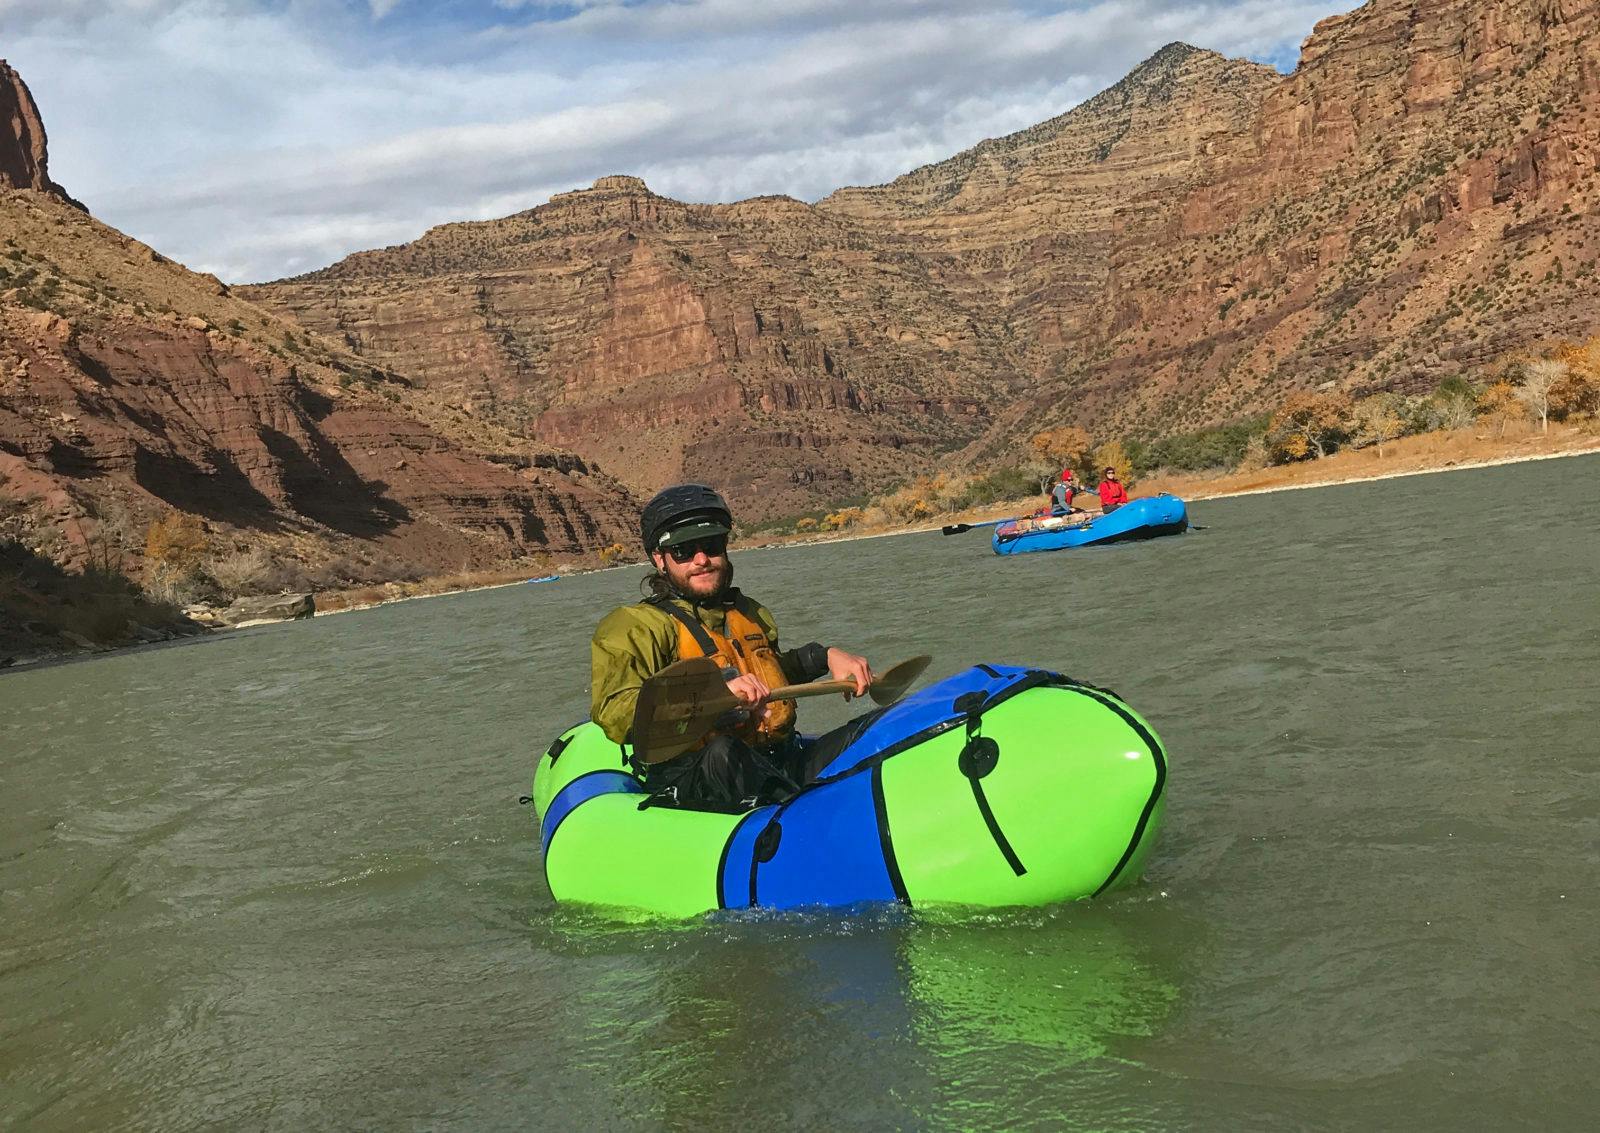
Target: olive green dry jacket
column 634, row 643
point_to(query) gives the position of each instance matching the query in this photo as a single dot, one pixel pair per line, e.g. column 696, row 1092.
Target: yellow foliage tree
column 1054, row 447
column 805, row 524
column 1376, row 420
column 1499, row 403
column 1306, row 423
column 612, row 553
column 176, row 544
column 1111, row 455
column 1581, row 358
column 1578, row 392
column 1575, row 394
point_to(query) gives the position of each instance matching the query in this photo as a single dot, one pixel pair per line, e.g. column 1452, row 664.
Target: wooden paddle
column 684, row 701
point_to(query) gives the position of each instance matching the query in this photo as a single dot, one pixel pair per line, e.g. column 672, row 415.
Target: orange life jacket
column 745, row 647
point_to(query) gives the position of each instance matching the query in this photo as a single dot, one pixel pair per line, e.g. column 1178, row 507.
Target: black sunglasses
column 713, row 546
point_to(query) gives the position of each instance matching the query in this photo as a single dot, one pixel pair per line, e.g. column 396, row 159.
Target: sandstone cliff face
column 1025, row 224
column 1418, row 198
column 23, row 147
column 130, row 386
column 664, row 340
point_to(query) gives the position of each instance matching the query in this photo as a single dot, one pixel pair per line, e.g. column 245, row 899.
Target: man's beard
column 723, row 585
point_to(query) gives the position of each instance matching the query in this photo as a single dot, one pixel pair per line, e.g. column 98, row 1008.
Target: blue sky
column 259, row 138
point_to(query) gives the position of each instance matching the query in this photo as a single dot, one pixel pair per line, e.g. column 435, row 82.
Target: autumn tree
column 176, row 543
column 1055, row 448
column 1499, row 404
column 1542, row 378
column 175, row 546
column 1376, row 420
column 1113, row 455
column 1307, row 423
column 1576, row 393
column 1582, row 359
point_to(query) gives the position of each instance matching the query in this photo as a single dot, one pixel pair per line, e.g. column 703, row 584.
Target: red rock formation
column 1419, row 197
column 130, row 386
column 23, row 160
column 665, row 340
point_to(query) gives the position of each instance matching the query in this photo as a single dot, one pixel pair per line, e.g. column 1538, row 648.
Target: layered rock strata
column 130, row 387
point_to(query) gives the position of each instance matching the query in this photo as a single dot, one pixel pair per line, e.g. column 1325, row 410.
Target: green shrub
column 1221, row 446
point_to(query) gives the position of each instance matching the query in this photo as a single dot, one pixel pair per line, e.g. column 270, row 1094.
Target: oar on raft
column 684, row 701
column 962, row 528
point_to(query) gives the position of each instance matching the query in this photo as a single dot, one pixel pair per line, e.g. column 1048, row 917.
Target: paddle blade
column 677, row 707
column 955, row 528
column 891, row 685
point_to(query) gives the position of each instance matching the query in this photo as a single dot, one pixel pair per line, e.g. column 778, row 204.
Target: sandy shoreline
column 1190, row 489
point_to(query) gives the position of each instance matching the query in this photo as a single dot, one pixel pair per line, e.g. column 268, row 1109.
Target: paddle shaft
column 816, row 688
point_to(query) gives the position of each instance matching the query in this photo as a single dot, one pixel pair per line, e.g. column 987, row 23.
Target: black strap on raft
column 979, row 756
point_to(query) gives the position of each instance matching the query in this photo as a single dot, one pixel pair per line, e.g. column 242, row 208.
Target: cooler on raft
column 1143, row 518
column 999, row 786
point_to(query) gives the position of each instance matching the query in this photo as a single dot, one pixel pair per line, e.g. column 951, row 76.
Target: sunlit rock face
column 24, row 158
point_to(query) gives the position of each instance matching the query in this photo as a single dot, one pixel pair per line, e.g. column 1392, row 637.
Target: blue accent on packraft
column 828, row 853
column 1143, row 518
column 741, row 852
column 579, row 791
column 930, row 708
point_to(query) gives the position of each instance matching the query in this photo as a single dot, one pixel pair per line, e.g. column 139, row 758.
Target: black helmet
column 683, row 512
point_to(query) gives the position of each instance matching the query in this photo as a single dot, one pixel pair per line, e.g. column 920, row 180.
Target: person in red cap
column 1061, row 495
column 1112, row 494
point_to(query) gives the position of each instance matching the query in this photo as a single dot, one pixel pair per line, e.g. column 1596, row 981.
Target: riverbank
column 1410, row 456
column 1418, row 455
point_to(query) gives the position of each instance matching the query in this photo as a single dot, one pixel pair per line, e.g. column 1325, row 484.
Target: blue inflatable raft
column 1143, row 518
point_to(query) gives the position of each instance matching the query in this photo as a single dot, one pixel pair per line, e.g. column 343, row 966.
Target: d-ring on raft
column 999, row 786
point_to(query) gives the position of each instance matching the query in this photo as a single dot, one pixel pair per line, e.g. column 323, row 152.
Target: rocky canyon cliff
column 1417, row 198
column 131, row 387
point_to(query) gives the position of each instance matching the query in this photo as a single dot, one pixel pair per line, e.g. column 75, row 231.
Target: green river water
column 280, row 878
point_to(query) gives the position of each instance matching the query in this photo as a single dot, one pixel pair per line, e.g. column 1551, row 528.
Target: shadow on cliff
column 322, row 486
column 224, row 493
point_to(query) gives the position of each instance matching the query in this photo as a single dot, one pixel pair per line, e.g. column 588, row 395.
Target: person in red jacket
column 1112, row 494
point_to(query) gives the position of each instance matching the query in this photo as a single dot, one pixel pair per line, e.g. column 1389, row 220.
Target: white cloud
column 260, row 139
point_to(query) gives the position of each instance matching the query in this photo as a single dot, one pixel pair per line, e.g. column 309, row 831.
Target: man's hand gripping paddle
column 684, row 701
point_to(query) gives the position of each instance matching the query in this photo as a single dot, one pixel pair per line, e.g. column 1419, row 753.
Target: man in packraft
column 692, row 609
